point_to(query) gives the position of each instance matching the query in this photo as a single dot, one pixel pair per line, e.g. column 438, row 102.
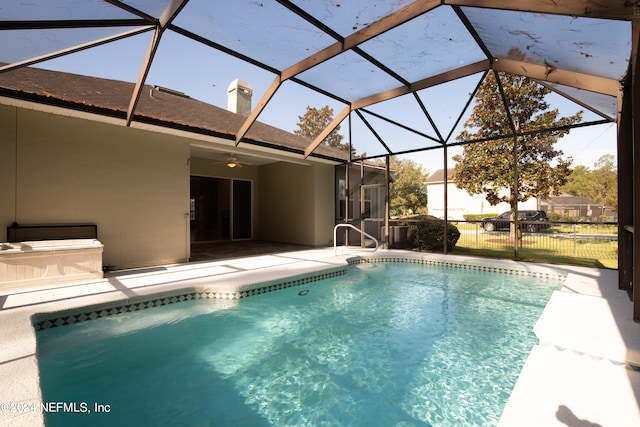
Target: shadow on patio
column 213, row 251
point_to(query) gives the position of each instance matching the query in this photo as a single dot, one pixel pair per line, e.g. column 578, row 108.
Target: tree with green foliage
column 487, row 167
column 578, row 182
column 605, row 181
column 599, row 185
column 314, row 121
column 408, row 192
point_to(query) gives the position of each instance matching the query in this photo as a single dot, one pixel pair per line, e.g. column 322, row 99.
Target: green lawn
column 553, row 246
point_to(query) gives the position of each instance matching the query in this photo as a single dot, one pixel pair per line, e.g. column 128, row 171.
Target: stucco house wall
column 460, row 202
column 132, row 183
column 324, row 204
column 296, row 203
column 8, row 164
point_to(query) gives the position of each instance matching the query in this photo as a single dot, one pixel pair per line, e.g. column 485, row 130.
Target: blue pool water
column 388, row 345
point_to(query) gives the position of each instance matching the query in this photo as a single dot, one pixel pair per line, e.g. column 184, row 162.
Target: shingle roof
column 160, row 107
column 438, row 176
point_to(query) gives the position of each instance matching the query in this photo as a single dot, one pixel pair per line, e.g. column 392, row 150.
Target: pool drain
column 303, row 292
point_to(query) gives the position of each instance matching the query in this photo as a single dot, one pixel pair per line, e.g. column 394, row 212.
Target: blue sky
column 205, row 74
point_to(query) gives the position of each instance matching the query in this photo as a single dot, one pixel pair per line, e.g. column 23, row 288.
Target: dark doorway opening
column 242, row 212
column 221, row 209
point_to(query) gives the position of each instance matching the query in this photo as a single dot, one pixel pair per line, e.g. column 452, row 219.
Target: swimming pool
column 384, row 344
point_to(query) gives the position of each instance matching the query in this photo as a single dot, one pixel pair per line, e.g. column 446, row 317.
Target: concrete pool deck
column 578, row 375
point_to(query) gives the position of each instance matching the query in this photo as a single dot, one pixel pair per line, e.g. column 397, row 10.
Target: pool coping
column 229, row 279
column 45, row 320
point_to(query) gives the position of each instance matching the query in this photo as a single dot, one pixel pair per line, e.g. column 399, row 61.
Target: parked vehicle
column 531, row 221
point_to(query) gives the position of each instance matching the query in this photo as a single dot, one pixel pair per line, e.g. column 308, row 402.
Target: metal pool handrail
column 335, row 240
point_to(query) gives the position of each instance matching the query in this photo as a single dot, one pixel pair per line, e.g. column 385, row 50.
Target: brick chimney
column 239, row 97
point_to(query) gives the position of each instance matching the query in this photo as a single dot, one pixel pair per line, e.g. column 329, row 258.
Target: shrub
column 427, row 234
column 554, row 217
column 478, row 217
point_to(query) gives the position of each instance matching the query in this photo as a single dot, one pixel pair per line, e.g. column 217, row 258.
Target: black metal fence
column 582, row 243
column 554, row 241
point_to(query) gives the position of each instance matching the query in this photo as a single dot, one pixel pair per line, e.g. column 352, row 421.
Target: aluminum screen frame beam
column 556, row 75
column 169, row 14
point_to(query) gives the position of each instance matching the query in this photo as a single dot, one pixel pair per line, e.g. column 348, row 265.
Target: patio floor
column 215, row 251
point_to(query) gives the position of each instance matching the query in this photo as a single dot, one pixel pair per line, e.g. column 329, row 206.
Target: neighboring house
column 161, row 184
column 577, row 207
column 459, row 201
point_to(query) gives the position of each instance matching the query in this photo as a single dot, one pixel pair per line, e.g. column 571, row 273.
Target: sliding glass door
column 221, row 209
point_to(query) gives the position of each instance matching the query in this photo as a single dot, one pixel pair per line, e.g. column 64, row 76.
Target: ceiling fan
column 233, row 162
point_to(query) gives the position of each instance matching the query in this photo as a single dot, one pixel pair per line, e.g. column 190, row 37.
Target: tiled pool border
column 43, row 321
column 50, row 320
column 465, row 266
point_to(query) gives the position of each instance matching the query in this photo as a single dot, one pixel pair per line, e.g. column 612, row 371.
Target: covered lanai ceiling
column 361, row 54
